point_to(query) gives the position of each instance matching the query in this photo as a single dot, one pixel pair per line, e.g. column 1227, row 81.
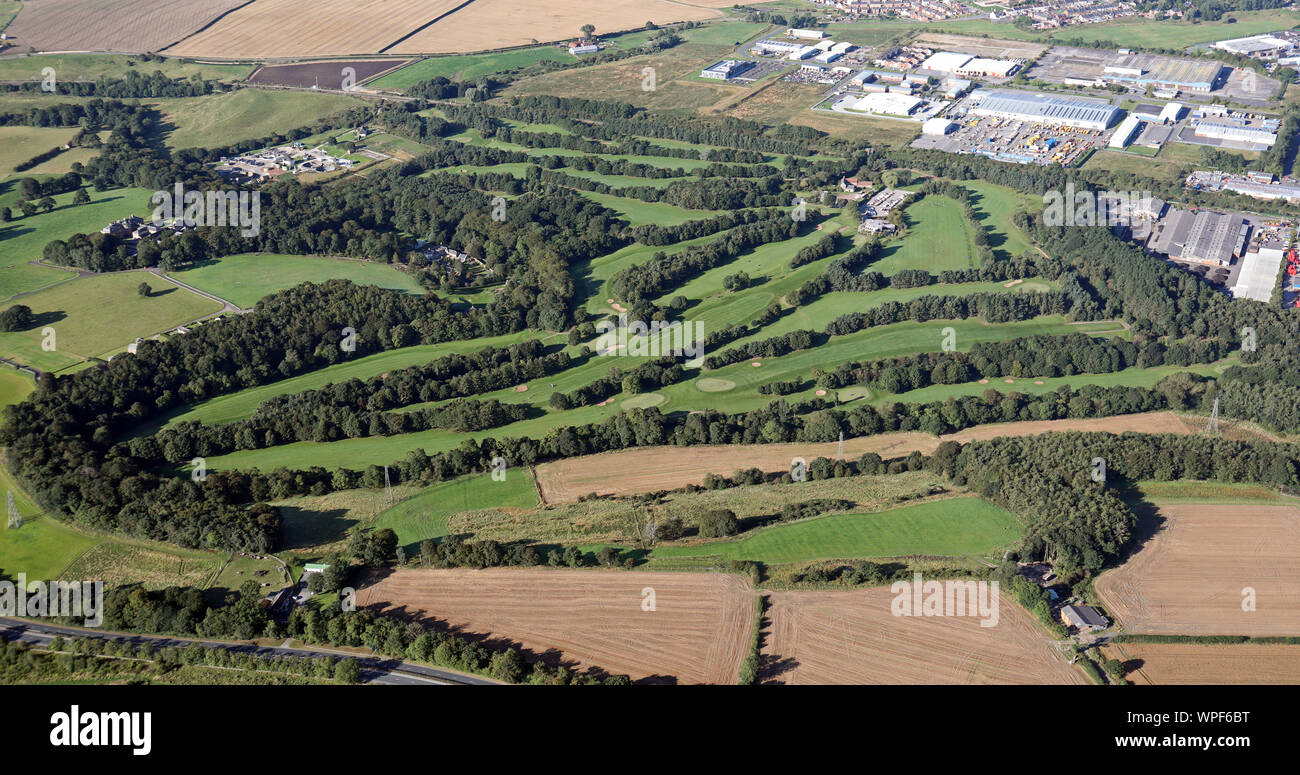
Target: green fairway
column 24, row 238
column 994, row 205
column 425, row 515
column 937, row 238
column 244, row 114
column 20, row 143
column 236, row 406
column 955, row 527
column 244, row 279
column 92, row 67
column 99, row 314
column 637, row 213
column 21, row 278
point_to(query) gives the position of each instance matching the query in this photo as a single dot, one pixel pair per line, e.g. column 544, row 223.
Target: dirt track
column 1189, row 579
column 648, row 469
column 851, row 637
column 699, row 632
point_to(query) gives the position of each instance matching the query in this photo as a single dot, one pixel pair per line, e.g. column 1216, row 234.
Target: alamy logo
column 654, row 340
column 946, row 598
column 40, row 599
column 209, row 208
column 1095, row 208
column 93, row 729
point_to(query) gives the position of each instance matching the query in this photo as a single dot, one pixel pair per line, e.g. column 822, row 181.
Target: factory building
column 945, row 61
column 1203, row 237
column 1125, row 132
column 1257, row 46
column 1219, row 129
column 987, row 68
column 888, row 103
column 726, row 69
column 1046, row 109
column 1142, row 70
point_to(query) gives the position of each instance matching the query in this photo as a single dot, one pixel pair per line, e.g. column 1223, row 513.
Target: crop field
column 1199, row 664
column 699, row 631
column 244, row 279
column 1195, row 576
column 852, row 637
column 949, row 527
column 116, row 563
column 244, row 114
column 91, row 67
column 20, row 143
column 327, row 75
column 98, row 314
column 111, row 25
column 477, row 27
column 648, row 469
column 320, row 27
column 24, row 238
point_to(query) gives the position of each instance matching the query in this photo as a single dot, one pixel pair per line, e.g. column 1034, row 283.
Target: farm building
column 589, row 48
column 1084, row 617
column 1046, row 109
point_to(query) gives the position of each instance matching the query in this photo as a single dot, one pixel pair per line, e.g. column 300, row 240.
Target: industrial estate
column 795, row 342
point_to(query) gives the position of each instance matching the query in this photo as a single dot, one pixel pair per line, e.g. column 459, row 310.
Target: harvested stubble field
column 328, row 75
column 488, row 24
column 851, row 637
column 699, row 631
column 134, row 26
column 1189, row 579
column 1195, row 663
column 289, row 28
column 665, row 468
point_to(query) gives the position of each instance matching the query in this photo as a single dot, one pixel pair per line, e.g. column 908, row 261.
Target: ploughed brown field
column 648, row 469
column 1194, row 663
column 487, row 24
column 1189, row 579
column 111, row 25
column 852, row 637
column 699, row 632
column 287, row 28
column 328, row 75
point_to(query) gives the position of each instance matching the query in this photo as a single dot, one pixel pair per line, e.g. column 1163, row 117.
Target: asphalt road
column 374, row 670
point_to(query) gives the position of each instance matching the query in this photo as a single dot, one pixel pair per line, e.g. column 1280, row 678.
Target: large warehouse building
column 1045, row 109
column 1219, row 129
column 1162, row 72
column 1203, row 237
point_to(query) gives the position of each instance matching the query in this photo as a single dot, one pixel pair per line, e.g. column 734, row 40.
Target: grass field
column 468, row 67
column 20, row 143
column 24, row 238
column 91, row 67
column 42, row 547
column 21, row 278
column 14, row 386
column 244, row 114
column 8, row 10
column 1173, row 34
column 98, row 314
column 938, row 238
column 246, row 278
column 425, row 514
column 119, row 562
column 954, row 527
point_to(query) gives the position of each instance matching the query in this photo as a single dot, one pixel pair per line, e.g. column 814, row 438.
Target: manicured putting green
column 644, row 401
column 714, row 385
